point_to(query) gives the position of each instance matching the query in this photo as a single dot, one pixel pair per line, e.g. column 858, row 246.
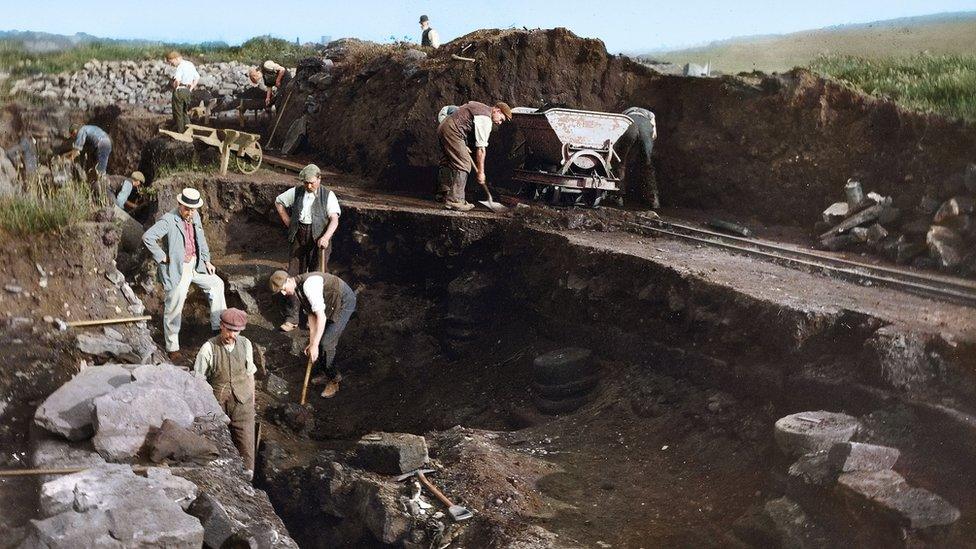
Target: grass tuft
column 943, row 84
column 45, row 208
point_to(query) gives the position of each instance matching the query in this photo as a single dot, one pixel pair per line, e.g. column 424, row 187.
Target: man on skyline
column 428, row 36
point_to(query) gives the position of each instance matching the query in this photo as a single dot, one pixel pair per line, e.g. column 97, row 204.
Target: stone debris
column 70, row 530
column 174, row 443
column 809, row 432
column 899, row 358
column 69, row 411
column 888, row 495
column 124, row 417
column 836, row 213
column 946, row 246
column 195, row 391
column 106, row 347
column 857, row 456
column 391, row 453
column 275, row 386
column 218, row 526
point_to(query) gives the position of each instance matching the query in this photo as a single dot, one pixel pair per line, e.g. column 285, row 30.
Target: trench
column 672, row 448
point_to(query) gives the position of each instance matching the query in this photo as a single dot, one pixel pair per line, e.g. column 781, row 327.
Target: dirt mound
column 776, row 148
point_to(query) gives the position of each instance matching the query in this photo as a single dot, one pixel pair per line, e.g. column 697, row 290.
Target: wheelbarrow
column 569, row 154
column 245, row 146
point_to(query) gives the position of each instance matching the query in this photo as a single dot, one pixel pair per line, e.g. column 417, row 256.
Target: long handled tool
column 280, row 113
column 457, row 512
column 490, row 203
column 72, row 470
column 308, row 374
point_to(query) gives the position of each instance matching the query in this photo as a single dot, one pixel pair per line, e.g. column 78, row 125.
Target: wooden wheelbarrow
column 245, row 146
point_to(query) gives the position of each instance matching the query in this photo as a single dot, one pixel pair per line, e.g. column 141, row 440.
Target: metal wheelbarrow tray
column 569, row 154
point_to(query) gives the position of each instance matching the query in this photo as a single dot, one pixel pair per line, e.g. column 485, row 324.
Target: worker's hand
column 312, row 352
column 165, row 260
column 324, row 242
column 210, row 268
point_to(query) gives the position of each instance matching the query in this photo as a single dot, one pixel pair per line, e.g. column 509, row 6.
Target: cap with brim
column 309, row 173
column 137, row 176
column 424, row 19
column 506, row 110
column 277, row 281
column 190, row 198
column 233, row 319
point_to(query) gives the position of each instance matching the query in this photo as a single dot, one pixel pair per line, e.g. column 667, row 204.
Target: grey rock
column 51, row 451
column 857, row 456
column 814, row 470
column 946, row 247
column 123, row 417
column 275, row 386
column 58, row 495
column 788, row 526
column 105, row 347
column 887, row 495
column 70, row 530
column 391, row 453
column 13, row 288
column 810, row 432
column 378, row 505
column 150, row 519
column 218, row 526
column 69, row 411
column 178, row 489
column 898, row 357
column 195, row 391
column 113, row 333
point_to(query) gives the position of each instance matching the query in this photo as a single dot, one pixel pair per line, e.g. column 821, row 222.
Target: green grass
column 44, row 208
column 944, row 84
column 19, row 62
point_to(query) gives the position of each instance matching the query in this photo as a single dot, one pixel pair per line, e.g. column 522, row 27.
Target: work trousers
column 241, row 416
column 305, row 256
column 103, row 150
column 451, row 184
column 330, row 339
column 181, row 107
column 212, row 285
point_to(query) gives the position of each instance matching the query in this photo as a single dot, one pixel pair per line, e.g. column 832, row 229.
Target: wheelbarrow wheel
column 249, row 162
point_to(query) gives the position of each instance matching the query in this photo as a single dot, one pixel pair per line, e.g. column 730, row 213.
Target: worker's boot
column 331, row 388
column 458, row 206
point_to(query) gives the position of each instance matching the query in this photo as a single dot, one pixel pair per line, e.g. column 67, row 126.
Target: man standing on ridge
column 185, row 79
column 428, row 36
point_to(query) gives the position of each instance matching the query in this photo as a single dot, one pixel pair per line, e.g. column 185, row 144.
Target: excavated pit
column 673, row 447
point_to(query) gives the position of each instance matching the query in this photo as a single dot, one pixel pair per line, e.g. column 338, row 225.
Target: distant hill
column 947, row 33
column 44, row 42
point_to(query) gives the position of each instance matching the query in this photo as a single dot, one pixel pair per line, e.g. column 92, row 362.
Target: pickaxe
column 457, row 512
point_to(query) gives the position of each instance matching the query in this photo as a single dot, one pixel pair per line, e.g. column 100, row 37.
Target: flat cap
column 309, row 173
column 277, row 280
column 233, row 319
column 138, row 176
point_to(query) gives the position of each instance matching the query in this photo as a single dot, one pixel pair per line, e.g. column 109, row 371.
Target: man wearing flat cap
column 329, row 303
column 275, row 78
column 185, row 260
column 311, row 213
column 470, row 124
column 226, row 361
column 428, row 36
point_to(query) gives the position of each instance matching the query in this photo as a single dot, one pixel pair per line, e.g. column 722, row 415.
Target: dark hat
column 424, row 19
column 233, row 319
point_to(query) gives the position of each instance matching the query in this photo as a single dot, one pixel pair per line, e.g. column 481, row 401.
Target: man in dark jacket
column 311, row 213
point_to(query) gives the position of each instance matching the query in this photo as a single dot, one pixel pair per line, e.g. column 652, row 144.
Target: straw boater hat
column 190, row 198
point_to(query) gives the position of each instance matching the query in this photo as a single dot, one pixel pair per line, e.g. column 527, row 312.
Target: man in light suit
column 186, row 260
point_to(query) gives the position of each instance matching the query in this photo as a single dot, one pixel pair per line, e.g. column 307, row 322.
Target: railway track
column 940, row 287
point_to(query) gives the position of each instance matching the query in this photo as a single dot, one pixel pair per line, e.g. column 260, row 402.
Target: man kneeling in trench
column 329, row 303
column 226, row 361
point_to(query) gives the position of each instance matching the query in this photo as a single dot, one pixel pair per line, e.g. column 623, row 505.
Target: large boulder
column 124, row 417
column 391, row 453
column 69, row 410
column 70, row 530
column 110, row 486
column 195, row 391
column 811, row 432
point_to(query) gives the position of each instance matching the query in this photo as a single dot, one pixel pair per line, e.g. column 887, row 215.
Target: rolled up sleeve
column 314, row 288
column 286, row 198
column 482, row 130
column 204, row 362
column 332, row 205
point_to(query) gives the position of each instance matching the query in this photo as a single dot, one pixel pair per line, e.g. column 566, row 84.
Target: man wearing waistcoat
column 226, row 361
column 428, row 36
column 470, row 124
column 329, row 303
column 184, row 261
column 311, row 214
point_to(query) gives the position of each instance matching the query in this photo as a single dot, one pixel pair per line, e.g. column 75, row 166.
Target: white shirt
column 287, row 198
column 435, row 39
column 203, row 367
column 314, row 289
column 185, row 73
column 482, row 129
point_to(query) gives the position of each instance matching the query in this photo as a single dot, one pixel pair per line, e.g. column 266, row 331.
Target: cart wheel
column 595, row 197
column 249, row 163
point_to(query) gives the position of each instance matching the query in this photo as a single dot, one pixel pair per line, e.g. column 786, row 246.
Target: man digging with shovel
column 471, row 122
column 329, row 303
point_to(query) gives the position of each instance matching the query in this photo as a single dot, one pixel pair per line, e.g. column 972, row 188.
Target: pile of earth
column 771, row 148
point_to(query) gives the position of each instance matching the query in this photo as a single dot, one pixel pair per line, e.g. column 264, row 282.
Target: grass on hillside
column 19, row 62
column 944, row 84
column 46, row 208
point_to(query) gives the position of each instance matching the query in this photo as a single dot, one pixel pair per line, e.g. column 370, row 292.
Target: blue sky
column 623, row 25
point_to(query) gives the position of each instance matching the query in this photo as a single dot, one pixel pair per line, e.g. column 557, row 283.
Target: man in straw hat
column 185, row 260
column 311, row 213
column 329, row 303
column 471, row 122
column 226, row 361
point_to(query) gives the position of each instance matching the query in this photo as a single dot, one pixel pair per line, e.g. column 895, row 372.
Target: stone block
column 885, row 497
column 58, row 495
column 195, row 391
column 69, row 411
column 946, row 247
column 275, row 386
column 70, row 530
column 103, row 346
column 123, row 417
column 836, row 213
column 218, row 526
column 898, row 358
column 150, row 519
column 814, row 470
column 177, row 489
column 856, row 456
column 378, row 506
column 391, row 453
column 810, row 432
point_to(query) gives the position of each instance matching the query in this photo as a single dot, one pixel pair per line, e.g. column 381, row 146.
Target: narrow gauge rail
column 939, row 287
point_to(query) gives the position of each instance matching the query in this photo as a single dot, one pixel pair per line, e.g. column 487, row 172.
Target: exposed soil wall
column 777, row 148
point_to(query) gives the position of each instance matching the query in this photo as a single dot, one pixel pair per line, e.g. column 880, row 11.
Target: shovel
column 496, row 207
column 458, row 513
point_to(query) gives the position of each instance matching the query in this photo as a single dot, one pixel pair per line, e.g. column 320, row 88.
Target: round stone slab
column 806, row 432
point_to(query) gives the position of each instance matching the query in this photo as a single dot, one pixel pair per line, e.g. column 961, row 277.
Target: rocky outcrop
column 69, row 410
